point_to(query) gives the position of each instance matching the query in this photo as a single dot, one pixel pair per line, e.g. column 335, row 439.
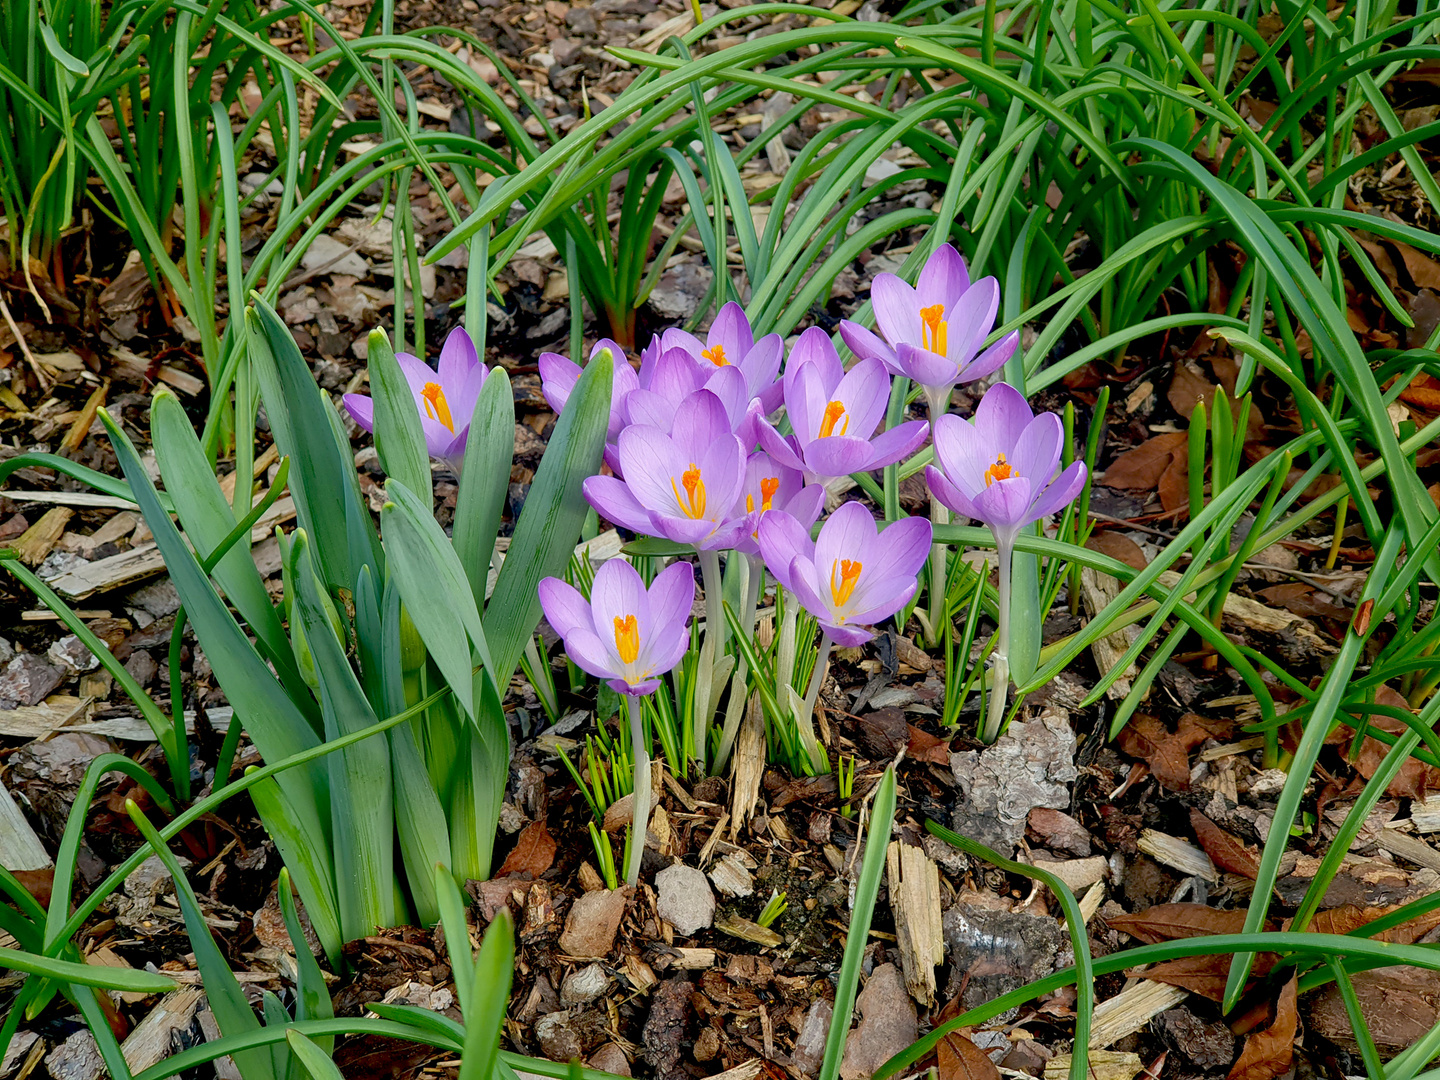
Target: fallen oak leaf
column 958, row 1058
column 1225, row 851
column 1167, row 922
column 927, row 747
column 1204, row 975
column 533, row 853
column 1269, row 1051
column 1168, row 753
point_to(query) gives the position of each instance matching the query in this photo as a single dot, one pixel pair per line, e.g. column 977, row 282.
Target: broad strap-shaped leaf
column 309, row 862
column 485, row 1017
column 399, row 438
column 361, row 807
column 315, row 1060
column 549, row 526
column 485, row 479
column 312, row 997
column 322, row 478
column 227, row 1001
column 125, row 980
column 208, row 519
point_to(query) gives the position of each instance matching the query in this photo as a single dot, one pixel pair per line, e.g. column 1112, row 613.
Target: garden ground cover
column 1171, row 813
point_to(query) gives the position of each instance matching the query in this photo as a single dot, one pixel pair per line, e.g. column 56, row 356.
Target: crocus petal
column 848, row 534
column 866, row 344
column 731, row 331
column 1005, row 504
column 963, row 454
column 782, row 539
column 783, row 450
column 814, row 346
column 558, row 377
column 865, row 393
column 417, row 373
column 457, row 358
column 992, row 359
column 839, row 455
column 653, row 468
column 806, row 396
column 971, row 319
column 948, row 493
column 847, row 636
column 1002, row 416
column 1037, row 451
column 700, row 419
column 361, row 409
column 728, row 384
column 564, row 606
column 675, row 338
column 942, row 279
column 643, row 688
column 805, row 507
column 590, row 654
column 897, row 310
column 812, row 596
column 899, row 442
column 896, row 599
column 926, row 368
column 762, row 368
column 617, row 593
column 672, row 595
column 1060, row 493
column 614, row 501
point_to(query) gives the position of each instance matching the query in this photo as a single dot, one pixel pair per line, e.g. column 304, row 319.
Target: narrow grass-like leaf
column 125, row 980
column 457, row 937
column 315, row 1060
column 489, row 998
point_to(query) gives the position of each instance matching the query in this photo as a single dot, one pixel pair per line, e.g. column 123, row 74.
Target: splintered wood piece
column 1177, row 854
column 1104, row 1065
column 35, row 542
column 749, row 766
column 693, row 959
column 1426, row 815
column 149, row 1043
column 1130, row 1010
column 1091, row 901
column 75, row 437
column 1097, row 590
column 38, row 721
column 20, row 848
column 105, row 956
column 1410, row 848
column 746, row 930
column 915, row 899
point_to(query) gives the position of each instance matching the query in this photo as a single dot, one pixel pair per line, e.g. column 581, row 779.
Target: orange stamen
column 436, row 407
column 716, row 355
column 768, row 487
column 849, row 574
column 693, row 502
column 934, row 334
column 998, row 471
column 627, row 638
column 833, row 412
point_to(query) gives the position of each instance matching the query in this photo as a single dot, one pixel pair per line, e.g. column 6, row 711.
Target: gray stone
column 27, row 680
column 584, row 985
column 70, row 652
column 593, row 921
column 685, row 900
column 810, row 1046
column 77, row 1058
column 557, row 1038
column 327, row 255
column 611, row 1059
column 887, row 1024
column 678, row 292
column 159, row 598
column 1028, row 766
column 993, row 951
column 7, row 653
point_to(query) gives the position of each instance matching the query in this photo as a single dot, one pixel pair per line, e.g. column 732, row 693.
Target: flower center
column 768, row 486
column 716, row 355
column 692, row 503
column 833, row 412
column 849, row 574
column 933, row 334
column 998, row 471
column 627, row 638
column 436, row 407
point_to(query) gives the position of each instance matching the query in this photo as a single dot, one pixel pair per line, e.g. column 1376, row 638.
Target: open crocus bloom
column 1000, row 468
column 770, row 486
column 851, row 576
column 445, row 397
column 834, row 413
column 558, row 377
column 624, row 634
column 682, row 485
column 672, row 377
column 933, row 331
column 731, row 343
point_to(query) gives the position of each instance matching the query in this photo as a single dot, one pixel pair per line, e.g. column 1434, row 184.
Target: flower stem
column 1000, row 662
column 817, row 677
column 640, row 808
column 709, row 651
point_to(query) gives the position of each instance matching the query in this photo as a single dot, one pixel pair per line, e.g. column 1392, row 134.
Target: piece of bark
column 1177, row 854
column 915, row 900
column 1410, row 848
column 749, row 767
column 1130, row 1010
column 746, row 930
column 1104, row 1065
column 37, row 541
column 149, row 1043
column 1097, row 590
column 20, row 848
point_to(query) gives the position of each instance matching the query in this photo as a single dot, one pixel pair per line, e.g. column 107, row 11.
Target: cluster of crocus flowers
column 629, row 636
column 445, row 397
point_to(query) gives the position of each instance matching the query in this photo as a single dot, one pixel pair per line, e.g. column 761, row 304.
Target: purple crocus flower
column 681, row 485
column 770, row 486
column 445, row 398
column 672, row 377
column 933, row 331
column 625, row 635
column 731, row 343
column 834, row 413
column 1000, row 468
column 629, row 637
column 559, row 375
column 851, row 576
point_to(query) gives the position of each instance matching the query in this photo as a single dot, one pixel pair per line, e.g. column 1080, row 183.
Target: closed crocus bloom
column 625, row 634
column 853, row 576
column 1001, row 467
column 834, row 413
column 674, row 376
column 682, row 485
column 934, row 330
column 770, row 486
column 731, row 343
column 559, row 375
column 445, row 397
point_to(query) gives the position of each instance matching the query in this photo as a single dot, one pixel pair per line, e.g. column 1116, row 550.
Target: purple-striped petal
column 992, row 359
column 457, row 358
column 1002, row 416
column 899, row 442
column 782, row 540
column 948, row 493
column 865, row 393
column 866, row 344
column 814, row 346
column 614, row 501
column 1061, row 493
column 564, row 606
column 839, row 455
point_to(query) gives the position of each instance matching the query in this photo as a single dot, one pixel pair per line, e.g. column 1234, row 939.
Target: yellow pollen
column 849, row 574
column 768, row 487
column 436, row 407
column 627, row 638
column 693, row 501
column 933, row 335
column 833, row 412
column 998, row 471
column 716, row 355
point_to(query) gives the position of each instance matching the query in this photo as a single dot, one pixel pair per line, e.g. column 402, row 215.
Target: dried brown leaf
column 1167, row 922
column 1141, row 468
column 1119, row 547
column 957, row 1058
column 1225, row 850
column 1268, row 1052
column 1168, row 753
column 926, row 747
column 1203, row 975
column 533, row 853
